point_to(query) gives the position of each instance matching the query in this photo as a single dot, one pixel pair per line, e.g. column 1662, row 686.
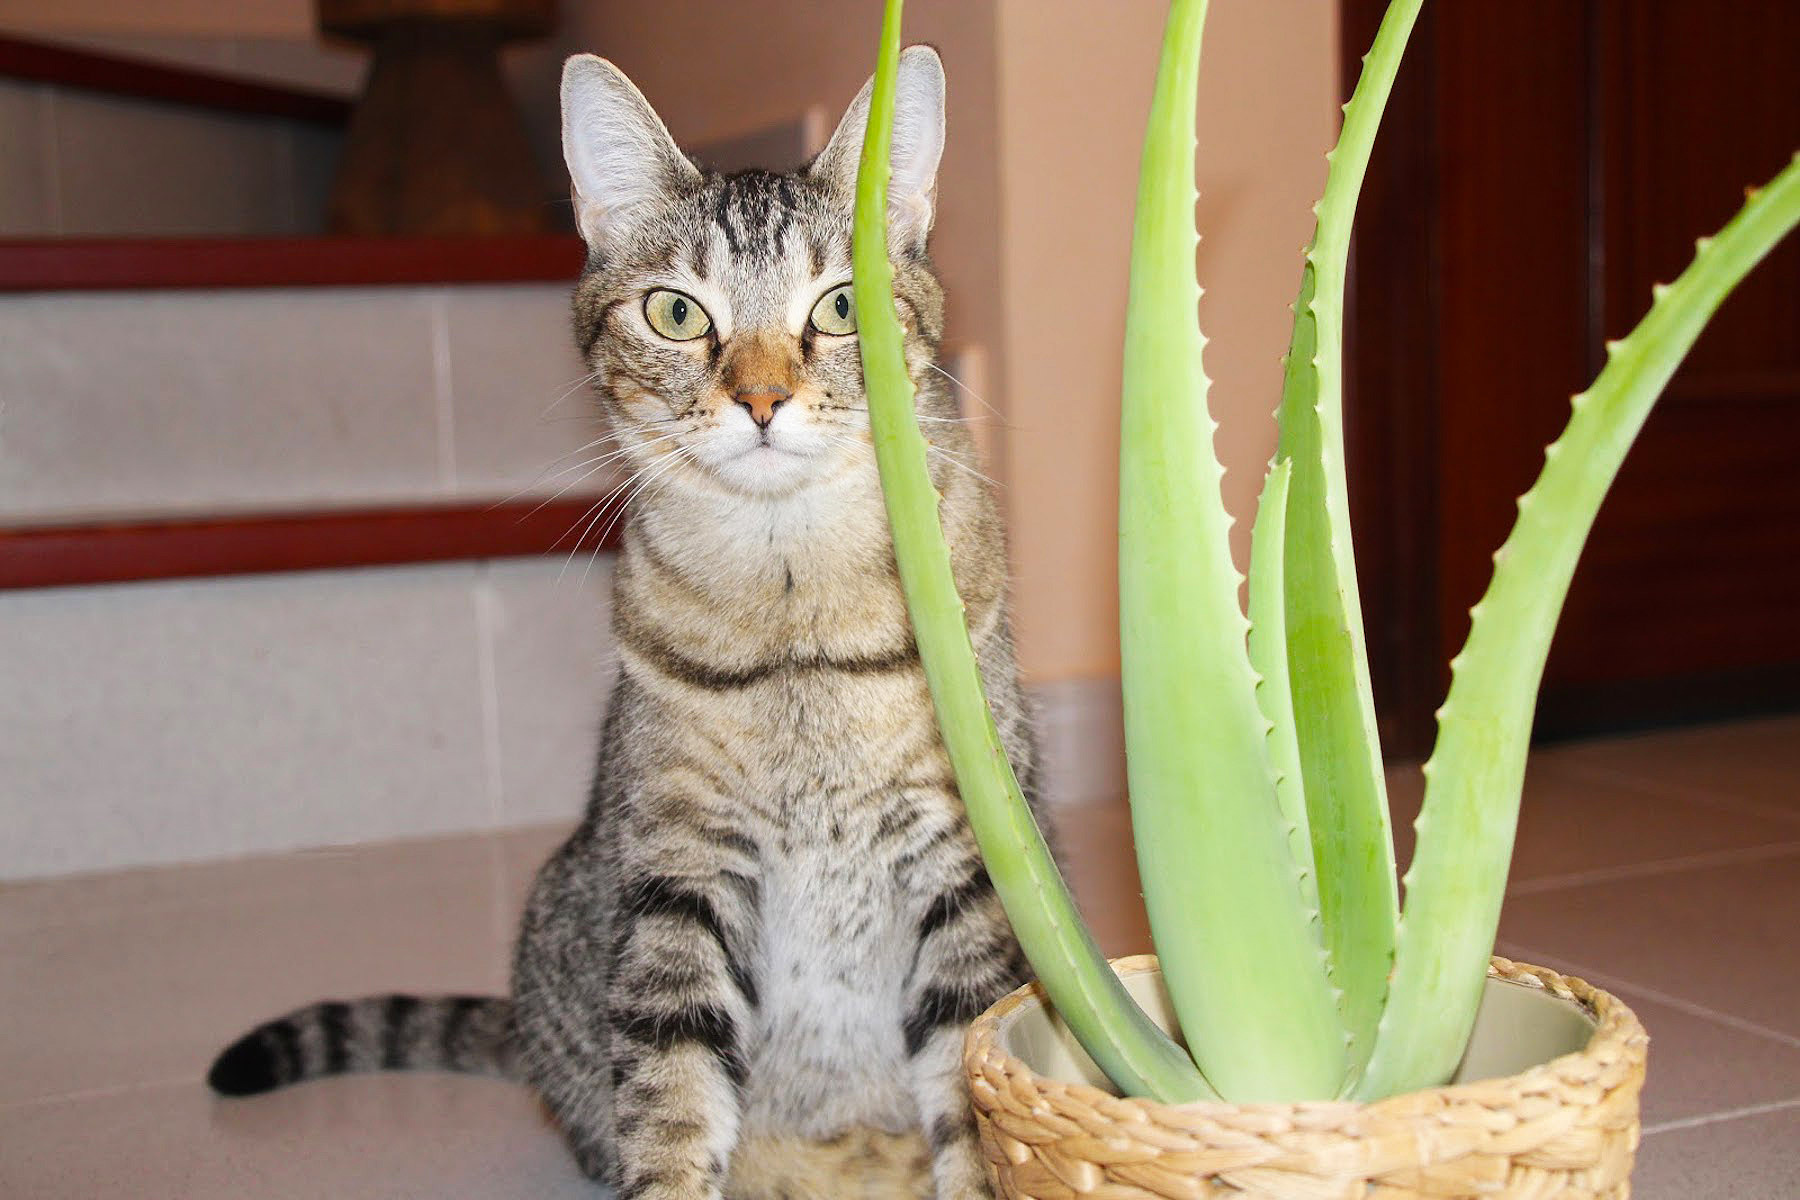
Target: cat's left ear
column 918, row 144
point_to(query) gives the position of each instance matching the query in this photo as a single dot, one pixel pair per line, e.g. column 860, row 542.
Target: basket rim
column 1617, row 1033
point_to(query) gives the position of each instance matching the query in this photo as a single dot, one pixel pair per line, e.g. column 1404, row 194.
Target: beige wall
column 1075, row 80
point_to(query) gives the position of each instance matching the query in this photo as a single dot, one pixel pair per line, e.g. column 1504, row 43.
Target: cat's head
column 716, row 310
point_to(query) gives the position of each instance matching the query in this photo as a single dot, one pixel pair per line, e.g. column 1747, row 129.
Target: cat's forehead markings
column 787, row 208
column 700, row 258
column 722, row 219
column 755, row 212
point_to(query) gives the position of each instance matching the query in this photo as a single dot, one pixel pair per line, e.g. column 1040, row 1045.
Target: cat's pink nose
column 761, row 402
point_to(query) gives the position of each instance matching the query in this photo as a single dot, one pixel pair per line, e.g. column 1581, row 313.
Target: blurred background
column 204, row 375
column 284, row 308
column 299, row 546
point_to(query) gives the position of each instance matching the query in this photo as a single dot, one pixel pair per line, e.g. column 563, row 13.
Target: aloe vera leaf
column 1268, row 655
column 1473, row 778
column 1238, row 949
column 1139, row 1057
column 1334, row 710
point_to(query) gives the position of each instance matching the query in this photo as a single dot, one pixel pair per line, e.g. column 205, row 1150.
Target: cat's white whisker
column 550, row 469
column 674, row 460
column 573, row 386
column 626, row 448
column 559, row 492
column 593, row 465
column 638, row 483
column 954, row 461
column 998, row 415
column 586, row 521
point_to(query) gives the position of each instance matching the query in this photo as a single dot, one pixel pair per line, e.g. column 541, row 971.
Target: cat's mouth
column 767, row 441
column 780, row 438
column 768, row 461
column 780, row 458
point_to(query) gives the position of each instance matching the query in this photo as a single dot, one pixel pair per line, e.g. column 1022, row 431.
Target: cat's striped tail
column 468, row 1034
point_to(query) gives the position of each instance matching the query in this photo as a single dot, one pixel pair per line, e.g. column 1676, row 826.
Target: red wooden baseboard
column 70, row 555
column 90, row 70
column 60, row 264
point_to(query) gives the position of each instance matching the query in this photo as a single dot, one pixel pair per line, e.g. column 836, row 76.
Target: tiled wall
column 194, row 719
column 189, row 720
column 79, row 163
column 160, row 402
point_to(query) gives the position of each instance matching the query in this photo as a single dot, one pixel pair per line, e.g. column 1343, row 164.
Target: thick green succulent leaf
column 1333, row 702
column 1138, row 1056
column 1473, row 779
column 1239, row 951
column 1268, row 656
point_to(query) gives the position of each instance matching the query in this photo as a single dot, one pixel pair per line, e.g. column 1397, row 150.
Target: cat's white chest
column 828, row 1050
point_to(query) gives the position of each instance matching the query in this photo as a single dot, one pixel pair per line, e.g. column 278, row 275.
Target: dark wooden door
column 1543, row 163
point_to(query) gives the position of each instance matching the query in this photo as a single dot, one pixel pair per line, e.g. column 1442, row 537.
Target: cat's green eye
column 835, row 312
column 677, row 317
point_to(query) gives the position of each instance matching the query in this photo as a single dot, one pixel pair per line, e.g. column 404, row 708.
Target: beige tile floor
column 1665, row 867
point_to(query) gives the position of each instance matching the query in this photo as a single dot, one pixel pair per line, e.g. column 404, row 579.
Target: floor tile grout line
column 1672, row 791
column 355, row 854
column 1612, row 982
column 1661, row 866
column 97, row 1093
column 1730, row 1114
column 352, row 855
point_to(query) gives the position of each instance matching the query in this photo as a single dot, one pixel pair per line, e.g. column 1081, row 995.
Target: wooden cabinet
column 1542, row 164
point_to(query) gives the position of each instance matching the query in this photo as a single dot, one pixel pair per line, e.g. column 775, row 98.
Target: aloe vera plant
column 1257, row 792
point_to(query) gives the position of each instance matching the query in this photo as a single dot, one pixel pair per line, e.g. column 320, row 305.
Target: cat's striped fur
column 748, row 971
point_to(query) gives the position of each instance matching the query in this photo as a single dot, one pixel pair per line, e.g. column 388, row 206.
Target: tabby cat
column 748, row 972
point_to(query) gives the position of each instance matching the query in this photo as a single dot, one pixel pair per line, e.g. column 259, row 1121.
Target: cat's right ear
column 620, row 155
column 917, row 145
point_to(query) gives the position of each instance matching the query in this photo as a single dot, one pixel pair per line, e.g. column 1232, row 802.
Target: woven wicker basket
column 1565, row 1128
